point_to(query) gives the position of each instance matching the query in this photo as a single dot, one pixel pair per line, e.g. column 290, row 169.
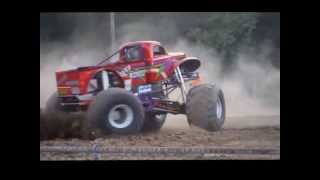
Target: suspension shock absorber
column 181, row 83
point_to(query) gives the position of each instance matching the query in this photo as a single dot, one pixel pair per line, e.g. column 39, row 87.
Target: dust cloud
column 252, row 89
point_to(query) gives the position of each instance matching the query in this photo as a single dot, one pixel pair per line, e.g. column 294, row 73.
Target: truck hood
column 177, row 55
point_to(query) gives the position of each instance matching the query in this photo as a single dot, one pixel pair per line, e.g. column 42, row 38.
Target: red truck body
column 154, row 64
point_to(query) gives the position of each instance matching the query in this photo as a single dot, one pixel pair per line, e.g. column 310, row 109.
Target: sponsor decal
column 145, row 88
column 137, row 74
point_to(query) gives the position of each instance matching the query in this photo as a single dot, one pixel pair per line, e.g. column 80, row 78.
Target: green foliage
column 224, row 30
column 229, row 32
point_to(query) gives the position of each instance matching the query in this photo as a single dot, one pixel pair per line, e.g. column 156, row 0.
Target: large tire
column 116, row 111
column 205, row 107
column 153, row 122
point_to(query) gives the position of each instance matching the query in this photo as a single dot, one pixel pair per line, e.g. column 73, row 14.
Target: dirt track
column 265, row 137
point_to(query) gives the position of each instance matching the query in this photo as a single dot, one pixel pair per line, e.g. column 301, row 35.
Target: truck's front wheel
column 206, row 107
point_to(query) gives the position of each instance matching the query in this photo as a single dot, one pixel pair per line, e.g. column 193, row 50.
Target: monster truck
column 131, row 94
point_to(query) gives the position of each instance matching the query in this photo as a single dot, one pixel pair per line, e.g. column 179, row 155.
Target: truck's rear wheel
column 116, row 111
column 153, row 122
column 205, row 107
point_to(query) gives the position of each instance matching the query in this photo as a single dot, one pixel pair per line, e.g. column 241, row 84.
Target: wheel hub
column 120, row 116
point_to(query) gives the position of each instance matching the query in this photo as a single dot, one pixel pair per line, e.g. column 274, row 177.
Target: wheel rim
column 120, row 116
column 219, row 108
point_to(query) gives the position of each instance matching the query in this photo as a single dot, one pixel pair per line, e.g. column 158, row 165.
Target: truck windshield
column 158, row 51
